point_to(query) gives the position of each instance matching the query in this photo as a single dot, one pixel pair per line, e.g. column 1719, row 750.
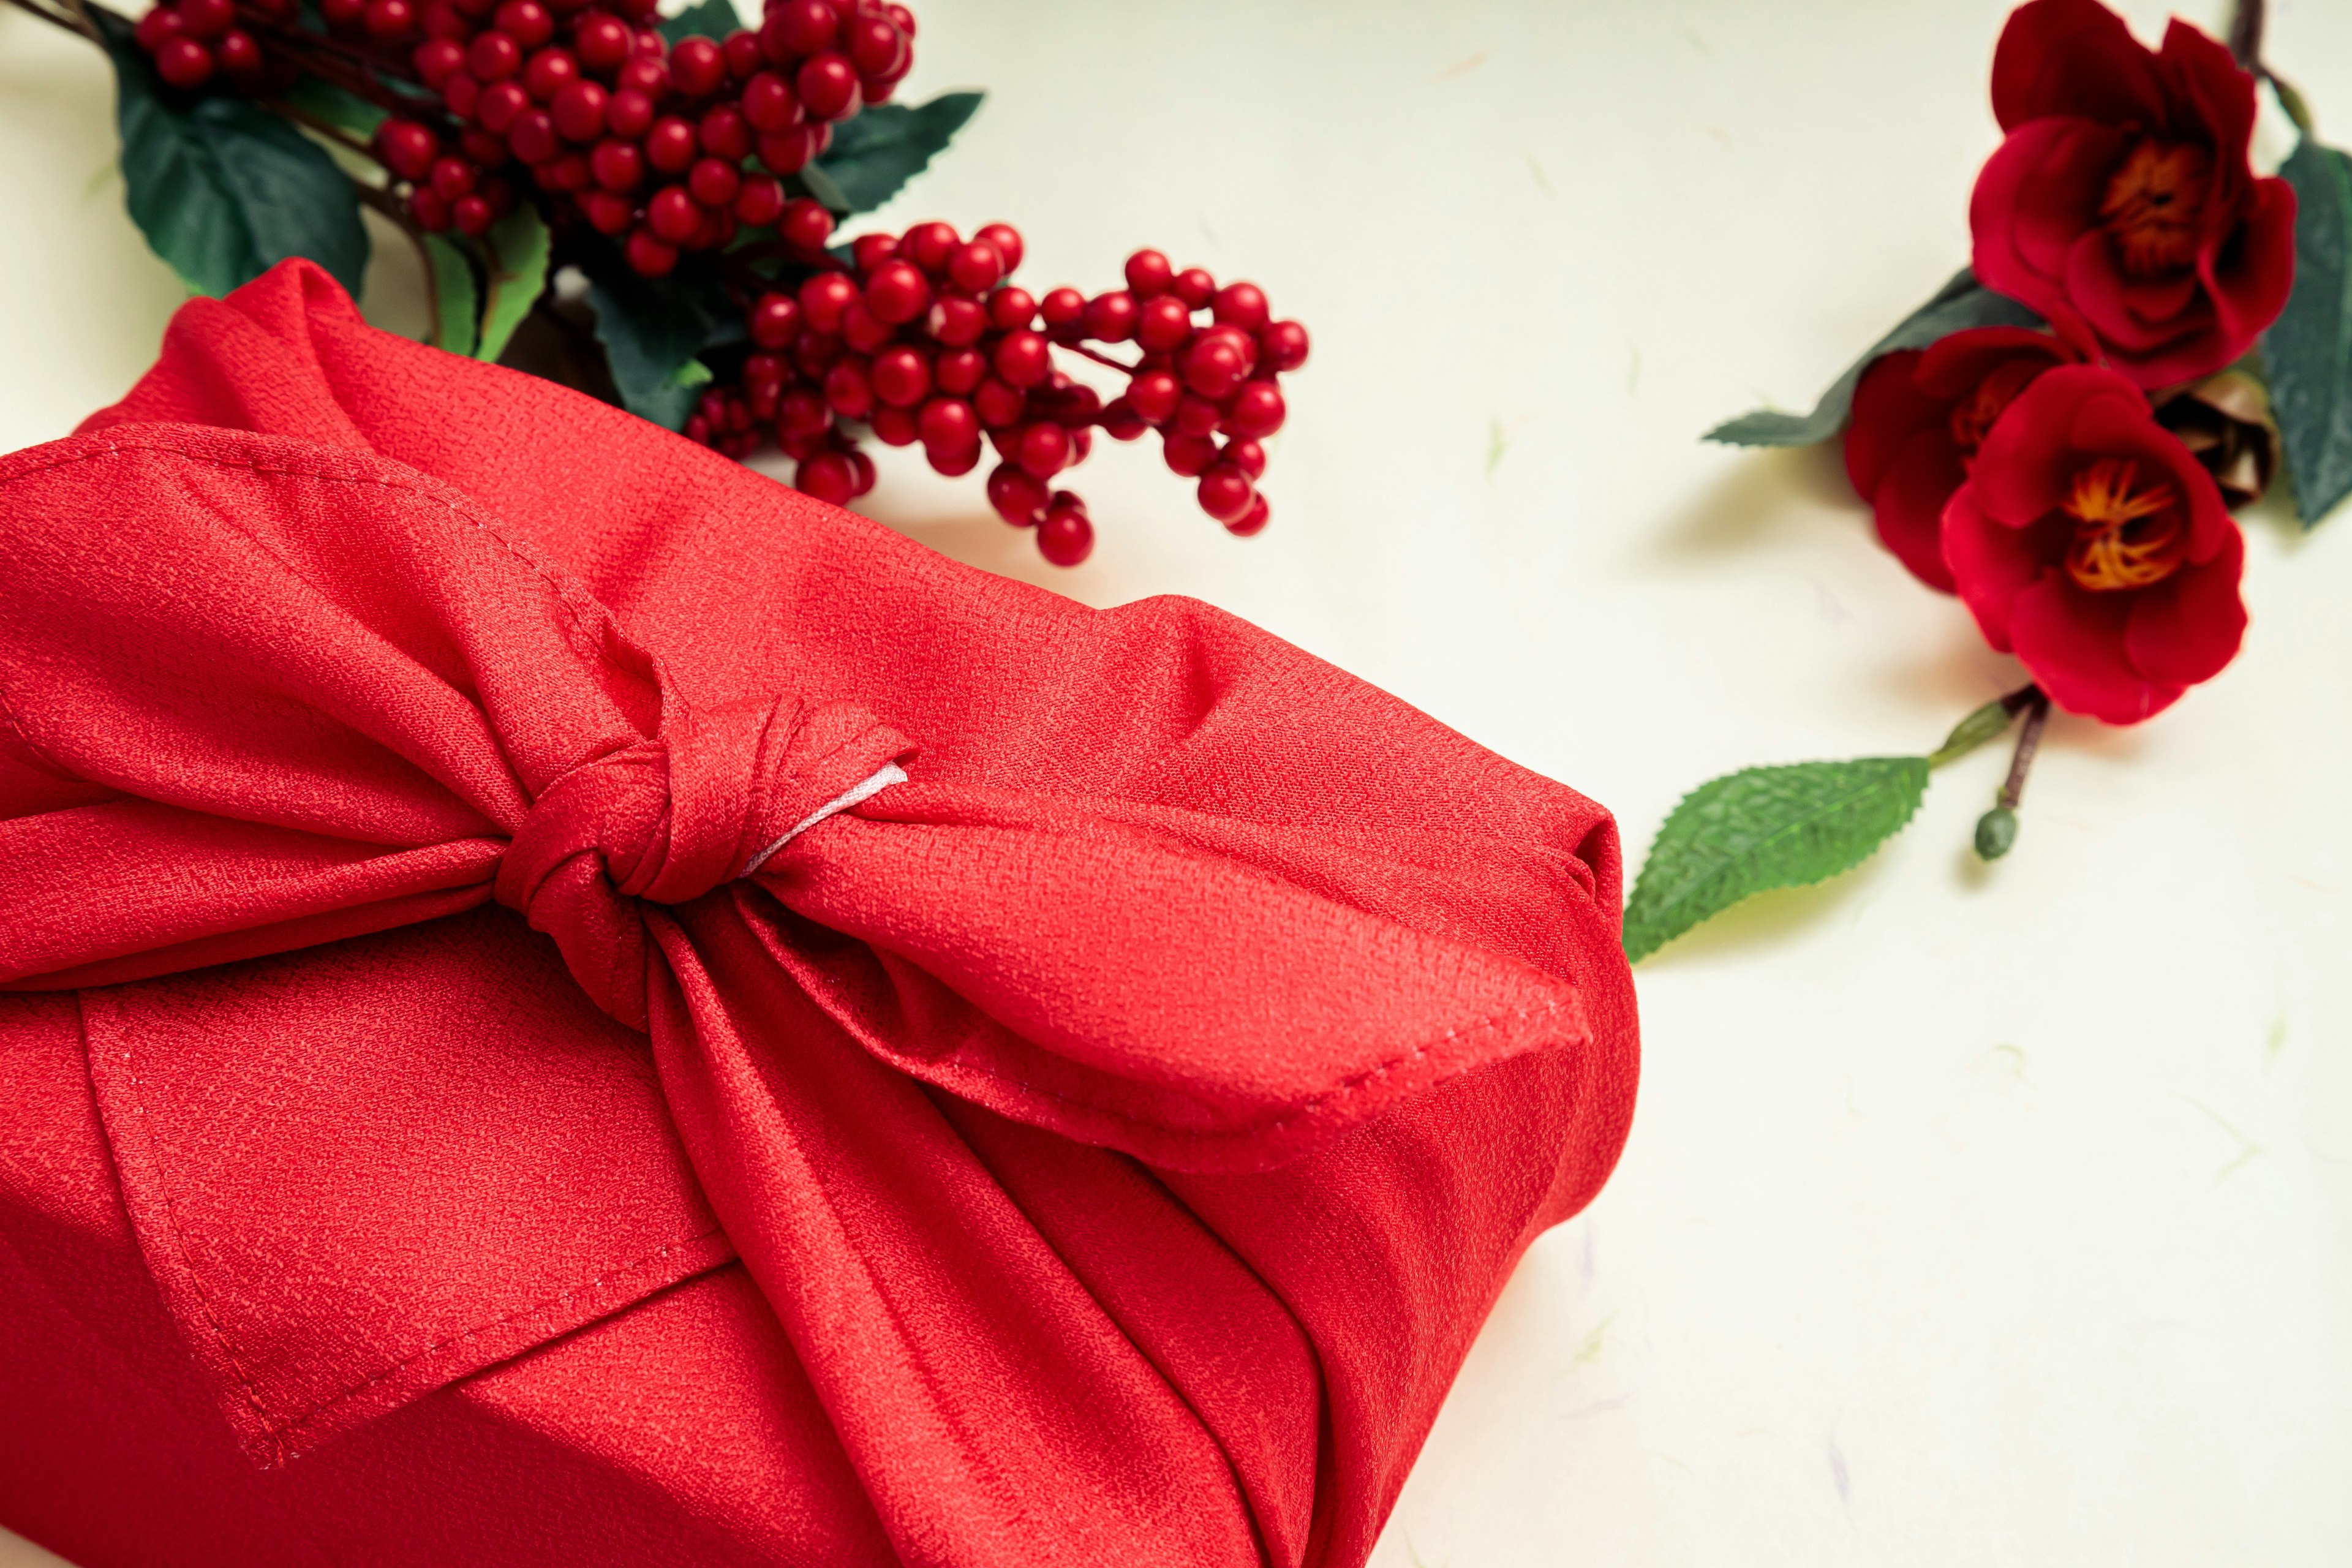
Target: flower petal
column 2072, row 57
column 2035, row 196
column 1991, row 562
column 1889, row 408
column 2188, row 628
column 1908, row 507
column 2073, row 643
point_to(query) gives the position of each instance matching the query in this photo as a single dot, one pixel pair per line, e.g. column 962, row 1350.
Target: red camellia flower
column 2123, row 199
column 1919, row 415
column 2090, row 542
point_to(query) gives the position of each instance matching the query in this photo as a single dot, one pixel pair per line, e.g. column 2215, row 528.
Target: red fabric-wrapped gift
column 570, row 1005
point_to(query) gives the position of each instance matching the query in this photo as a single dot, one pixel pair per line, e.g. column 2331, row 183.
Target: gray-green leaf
column 456, row 303
column 653, row 332
column 1963, row 302
column 518, row 248
column 879, row 151
column 710, row 19
column 2308, row 350
column 1766, row 827
column 222, row 189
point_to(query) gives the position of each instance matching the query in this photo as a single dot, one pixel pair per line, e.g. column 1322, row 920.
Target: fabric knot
column 671, row 818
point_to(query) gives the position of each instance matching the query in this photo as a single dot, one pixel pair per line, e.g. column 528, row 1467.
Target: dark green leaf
column 1766, row 827
column 1961, row 303
column 879, row 151
column 2308, row 351
column 222, row 189
column 344, row 111
column 518, row 248
column 456, row 303
column 710, row 19
column 817, row 186
column 653, row 330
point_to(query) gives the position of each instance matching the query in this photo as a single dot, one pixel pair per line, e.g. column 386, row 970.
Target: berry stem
column 53, row 19
column 1119, row 366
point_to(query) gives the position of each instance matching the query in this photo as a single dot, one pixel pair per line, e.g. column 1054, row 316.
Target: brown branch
column 71, row 24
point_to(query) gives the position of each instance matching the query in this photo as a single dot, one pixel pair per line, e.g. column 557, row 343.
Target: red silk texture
column 1101, row 1145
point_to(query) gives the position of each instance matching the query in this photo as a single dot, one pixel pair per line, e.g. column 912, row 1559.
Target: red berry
column 895, row 425
column 930, row 245
column 1196, row 415
column 850, row 389
column 827, row 86
column 672, row 215
column 1121, row 422
column 714, row 182
column 206, row 19
column 904, row 18
column 806, row 225
column 157, row 25
column 1194, row 287
column 671, row 145
column 500, row 105
column 975, row 266
column 742, row 48
column 828, row 476
column 452, row 178
column 863, row 466
column 239, row 55
column 342, row 13
column 642, row 72
column 1251, row 522
column 957, row 323
column 798, row 28
column 430, row 211
column 1225, row 493
column 567, row 171
column 387, row 19
column 183, row 62
column 1018, row 495
column 527, row 22
column 629, row 114
column 483, row 148
column 769, row 102
column 603, row 43
column 1163, row 323
column 897, row 292
column 725, row 134
column 814, row 353
column 1066, row 537
column 578, row 109
column 1007, row 240
column 997, row 405
column 902, row 376
column 1282, row 345
column 861, row 329
column 959, row 371
column 1154, row 394
column 1248, row 456
column 1213, row 366
column 1063, row 308
column 608, row 214
column 949, row 424
column 873, row 45
column 786, row 151
column 1044, row 449
column 471, row 215
column 1021, row 358
column 1010, row 307
column 1190, row 455
column 549, row 72
column 1148, row 274
column 1111, row 317
column 802, row 413
column 463, row 94
column 1256, row 409
column 868, row 251
column 405, row 147
column 1240, row 305
column 953, row 460
column 697, row 69
column 532, row 137
column 775, row 321
column 493, row 56
column 765, row 370
column 824, row 297
column 617, row 165
column 760, row 202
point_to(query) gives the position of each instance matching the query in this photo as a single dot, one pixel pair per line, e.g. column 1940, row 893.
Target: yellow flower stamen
column 2124, row 536
column 2154, row 203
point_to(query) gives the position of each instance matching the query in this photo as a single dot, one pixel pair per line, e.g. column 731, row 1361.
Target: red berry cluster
column 922, row 339
column 649, row 141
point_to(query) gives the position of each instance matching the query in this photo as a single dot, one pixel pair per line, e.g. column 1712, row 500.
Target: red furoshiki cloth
column 1098, row 1144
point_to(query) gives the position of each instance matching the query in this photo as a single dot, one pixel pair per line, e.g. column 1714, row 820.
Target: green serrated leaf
column 653, row 330
column 517, row 247
column 2307, row 353
column 710, row 19
column 1763, row 828
column 222, row 188
column 457, row 303
column 879, row 151
column 1963, row 302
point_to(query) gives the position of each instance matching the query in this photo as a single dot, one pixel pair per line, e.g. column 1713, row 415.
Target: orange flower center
column 2153, row 204
column 1972, row 415
column 2126, row 535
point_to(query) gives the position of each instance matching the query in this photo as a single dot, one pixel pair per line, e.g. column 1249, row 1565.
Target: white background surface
column 1971, row 1216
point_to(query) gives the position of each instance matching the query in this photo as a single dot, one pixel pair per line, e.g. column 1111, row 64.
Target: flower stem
column 1997, row 828
column 2246, row 23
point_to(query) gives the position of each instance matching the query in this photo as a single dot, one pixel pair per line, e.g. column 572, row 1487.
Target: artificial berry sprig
column 583, row 109
column 922, row 338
